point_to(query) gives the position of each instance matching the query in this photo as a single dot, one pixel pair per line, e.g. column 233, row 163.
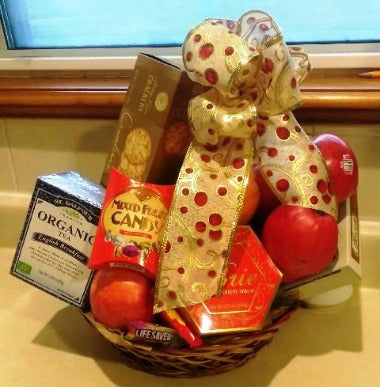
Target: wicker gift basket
column 218, row 354
column 245, row 116
column 253, row 76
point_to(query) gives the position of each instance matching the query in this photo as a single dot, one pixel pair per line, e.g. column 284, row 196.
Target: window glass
column 121, row 23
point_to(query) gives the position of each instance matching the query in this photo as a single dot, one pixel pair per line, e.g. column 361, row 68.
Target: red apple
column 341, row 163
column 301, row 241
column 119, row 295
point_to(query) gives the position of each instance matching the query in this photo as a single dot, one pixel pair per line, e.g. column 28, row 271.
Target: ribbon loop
column 257, row 28
column 215, row 56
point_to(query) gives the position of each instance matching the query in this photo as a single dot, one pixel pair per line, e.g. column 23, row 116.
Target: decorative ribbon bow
column 254, row 80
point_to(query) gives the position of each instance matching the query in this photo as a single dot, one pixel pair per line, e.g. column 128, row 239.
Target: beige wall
column 33, row 147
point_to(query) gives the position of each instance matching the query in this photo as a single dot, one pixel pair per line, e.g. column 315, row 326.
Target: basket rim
column 218, row 343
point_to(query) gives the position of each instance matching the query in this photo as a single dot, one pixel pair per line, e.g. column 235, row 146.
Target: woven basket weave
column 219, row 354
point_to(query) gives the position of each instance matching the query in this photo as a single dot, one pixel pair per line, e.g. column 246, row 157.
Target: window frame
column 92, row 83
column 124, row 59
column 322, row 57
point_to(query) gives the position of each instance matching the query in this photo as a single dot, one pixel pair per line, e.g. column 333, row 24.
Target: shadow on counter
column 306, row 334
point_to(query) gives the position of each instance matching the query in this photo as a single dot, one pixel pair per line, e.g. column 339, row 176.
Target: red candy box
column 251, row 283
column 131, row 223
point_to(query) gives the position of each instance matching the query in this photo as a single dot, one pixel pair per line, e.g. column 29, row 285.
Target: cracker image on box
column 177, row 138
column 137, row 150
column 138, row 146
column 133, row 171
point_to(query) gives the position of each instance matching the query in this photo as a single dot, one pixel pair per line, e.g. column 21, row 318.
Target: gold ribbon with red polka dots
column 246, row 113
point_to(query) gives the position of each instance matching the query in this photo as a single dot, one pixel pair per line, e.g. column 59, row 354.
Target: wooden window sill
column 330, row 99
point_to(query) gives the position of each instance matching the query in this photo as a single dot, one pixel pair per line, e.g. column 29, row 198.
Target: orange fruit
column 119, row 295
column 251, row 199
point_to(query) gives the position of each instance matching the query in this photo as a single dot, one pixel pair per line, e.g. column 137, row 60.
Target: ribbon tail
column 202, row 219
column 292, row 166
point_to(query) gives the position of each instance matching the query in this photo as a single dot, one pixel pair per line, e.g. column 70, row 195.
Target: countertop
column 45, row 342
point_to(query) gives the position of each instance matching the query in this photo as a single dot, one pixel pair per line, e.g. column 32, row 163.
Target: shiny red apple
column 301, row 241
column 119, row 295
column 342, row 165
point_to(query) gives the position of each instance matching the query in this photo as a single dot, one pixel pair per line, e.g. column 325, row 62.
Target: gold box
column 152, row 133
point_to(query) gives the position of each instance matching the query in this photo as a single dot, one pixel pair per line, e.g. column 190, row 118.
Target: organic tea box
column 58, row 235
column 152, row 133
column 345, row 269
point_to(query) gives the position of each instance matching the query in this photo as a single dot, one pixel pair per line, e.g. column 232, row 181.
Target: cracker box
column 345, row 268
column 152, row 133
column 252, row 282
column 58, row 235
